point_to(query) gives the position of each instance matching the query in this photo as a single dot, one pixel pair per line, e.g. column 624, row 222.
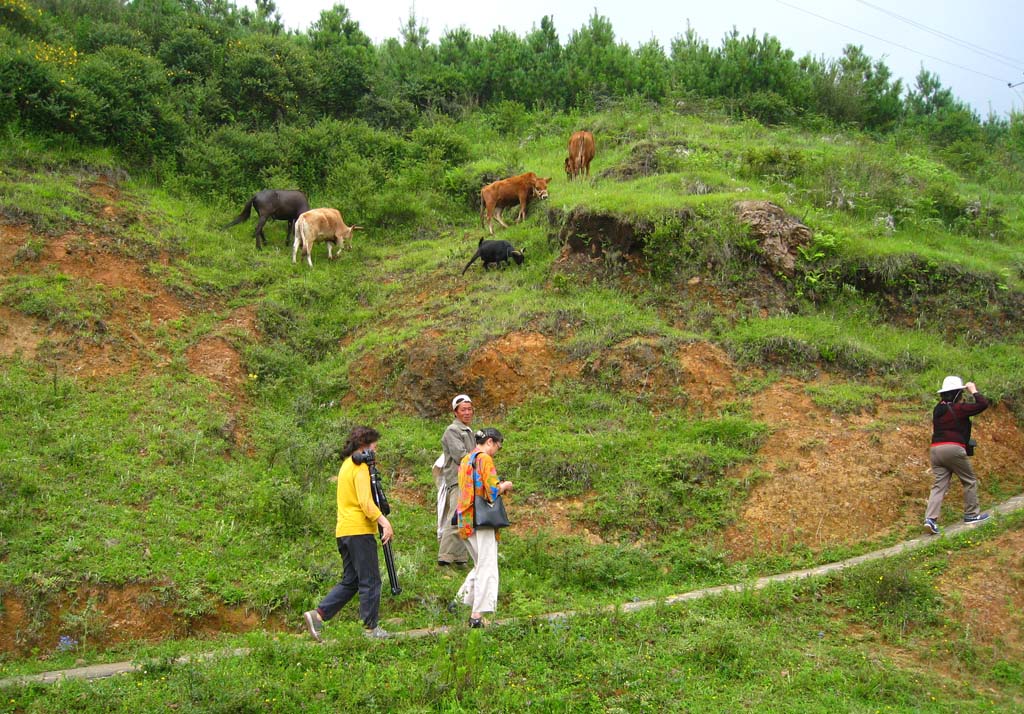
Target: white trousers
column 480, row 589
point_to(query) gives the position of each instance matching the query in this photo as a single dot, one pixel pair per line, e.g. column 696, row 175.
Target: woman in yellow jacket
column 356, row 533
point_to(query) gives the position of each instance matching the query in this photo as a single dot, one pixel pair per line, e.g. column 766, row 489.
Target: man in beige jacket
column 456, row 442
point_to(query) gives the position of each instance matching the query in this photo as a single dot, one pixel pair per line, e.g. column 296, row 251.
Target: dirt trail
column 100, row 671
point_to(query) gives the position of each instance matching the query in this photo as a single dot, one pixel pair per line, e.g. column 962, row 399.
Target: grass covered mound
column 680, row 409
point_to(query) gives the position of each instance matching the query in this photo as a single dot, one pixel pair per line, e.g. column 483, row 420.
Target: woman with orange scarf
column 479, row 477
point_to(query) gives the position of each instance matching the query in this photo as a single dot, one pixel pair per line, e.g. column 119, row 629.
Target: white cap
column 460, row 399
column 439, row 464
column 951, row 384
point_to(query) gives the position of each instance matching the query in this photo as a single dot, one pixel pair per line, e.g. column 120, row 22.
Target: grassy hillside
column 680, row 411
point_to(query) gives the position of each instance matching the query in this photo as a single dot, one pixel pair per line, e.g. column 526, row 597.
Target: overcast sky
column 974, row 47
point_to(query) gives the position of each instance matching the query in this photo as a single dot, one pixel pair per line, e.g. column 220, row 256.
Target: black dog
column 495, row 252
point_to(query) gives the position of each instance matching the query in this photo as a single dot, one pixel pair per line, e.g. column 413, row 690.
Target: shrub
column 440, row 143
column 35, row 86
column 20, row 16
column 189, row 55
column 264, row 79
column 708, row 242
column 126, row 102
column 230, row 163
column 773, row 162
column 896, row 597
column 768, row 108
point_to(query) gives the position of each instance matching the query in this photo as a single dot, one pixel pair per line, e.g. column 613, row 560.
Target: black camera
column 364, row 457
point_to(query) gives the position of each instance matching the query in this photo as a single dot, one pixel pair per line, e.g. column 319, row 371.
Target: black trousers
column 361, row 575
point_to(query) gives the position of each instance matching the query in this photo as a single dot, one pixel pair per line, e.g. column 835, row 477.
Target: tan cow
column 581, row 153
column 321, row 224
column 501, row 194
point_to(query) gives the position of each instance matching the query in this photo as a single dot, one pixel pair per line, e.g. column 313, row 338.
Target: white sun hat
column 951, row 384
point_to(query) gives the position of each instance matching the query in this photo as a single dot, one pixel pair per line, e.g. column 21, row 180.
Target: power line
column 983, row 51
column 890, row 42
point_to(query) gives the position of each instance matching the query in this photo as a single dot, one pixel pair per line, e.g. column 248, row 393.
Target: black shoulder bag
column 486, row 514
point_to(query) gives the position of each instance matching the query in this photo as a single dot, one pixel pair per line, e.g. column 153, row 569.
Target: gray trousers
column 361, row 575
column 949, row 459
column 452, row 548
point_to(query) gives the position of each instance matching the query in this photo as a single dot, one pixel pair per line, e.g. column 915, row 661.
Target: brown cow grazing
column 321, row 224
column 581, row 153
column 507, row 192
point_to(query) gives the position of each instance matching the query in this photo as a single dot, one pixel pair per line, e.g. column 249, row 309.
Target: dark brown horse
column 277, row 205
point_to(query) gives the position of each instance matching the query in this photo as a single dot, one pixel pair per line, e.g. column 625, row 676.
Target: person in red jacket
column 951, row 435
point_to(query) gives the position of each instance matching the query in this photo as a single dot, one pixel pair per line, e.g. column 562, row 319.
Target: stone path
column 98, row 671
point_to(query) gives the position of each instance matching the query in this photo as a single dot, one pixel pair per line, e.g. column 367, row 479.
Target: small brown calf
column 321, row 224
column 495, row 197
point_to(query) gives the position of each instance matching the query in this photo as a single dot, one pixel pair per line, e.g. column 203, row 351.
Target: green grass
column 138, row 480
column 858, row 641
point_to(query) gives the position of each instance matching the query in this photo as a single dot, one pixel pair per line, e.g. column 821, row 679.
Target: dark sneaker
column 314, row 624
column 975, row 519
column 377, row 633
column 931, row 525
column 476, row 622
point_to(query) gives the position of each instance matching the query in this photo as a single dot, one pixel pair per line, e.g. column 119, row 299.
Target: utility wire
column 894, row 44
column 983, row 51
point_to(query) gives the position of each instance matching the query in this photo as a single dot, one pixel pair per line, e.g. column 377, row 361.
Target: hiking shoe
column 931, row 525
column 476, row 622
column 453, row 606
column 975, row 519
column 314, row 624
column 377, row 633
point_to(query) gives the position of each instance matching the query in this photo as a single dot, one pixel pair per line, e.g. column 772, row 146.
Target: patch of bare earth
column 707, row 375
column 983, row 592
column 102, row 616
column 21, row 335
column 127, row 340
column 558, row 517
column 513, row 368
column 638, row 365
column 124, row 342
column 986, row 588
column 498, row 375
column 826, row 479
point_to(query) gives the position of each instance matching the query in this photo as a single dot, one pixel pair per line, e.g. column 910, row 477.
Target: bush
column 230, row 163
column 768, row 108
column 706, row 242
column 264, row 80
column 126, row 102
column 35, row 86
column 896, row 597
column 189, row 55
column 439, row 143
column 773, row 162
column 21, row 17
